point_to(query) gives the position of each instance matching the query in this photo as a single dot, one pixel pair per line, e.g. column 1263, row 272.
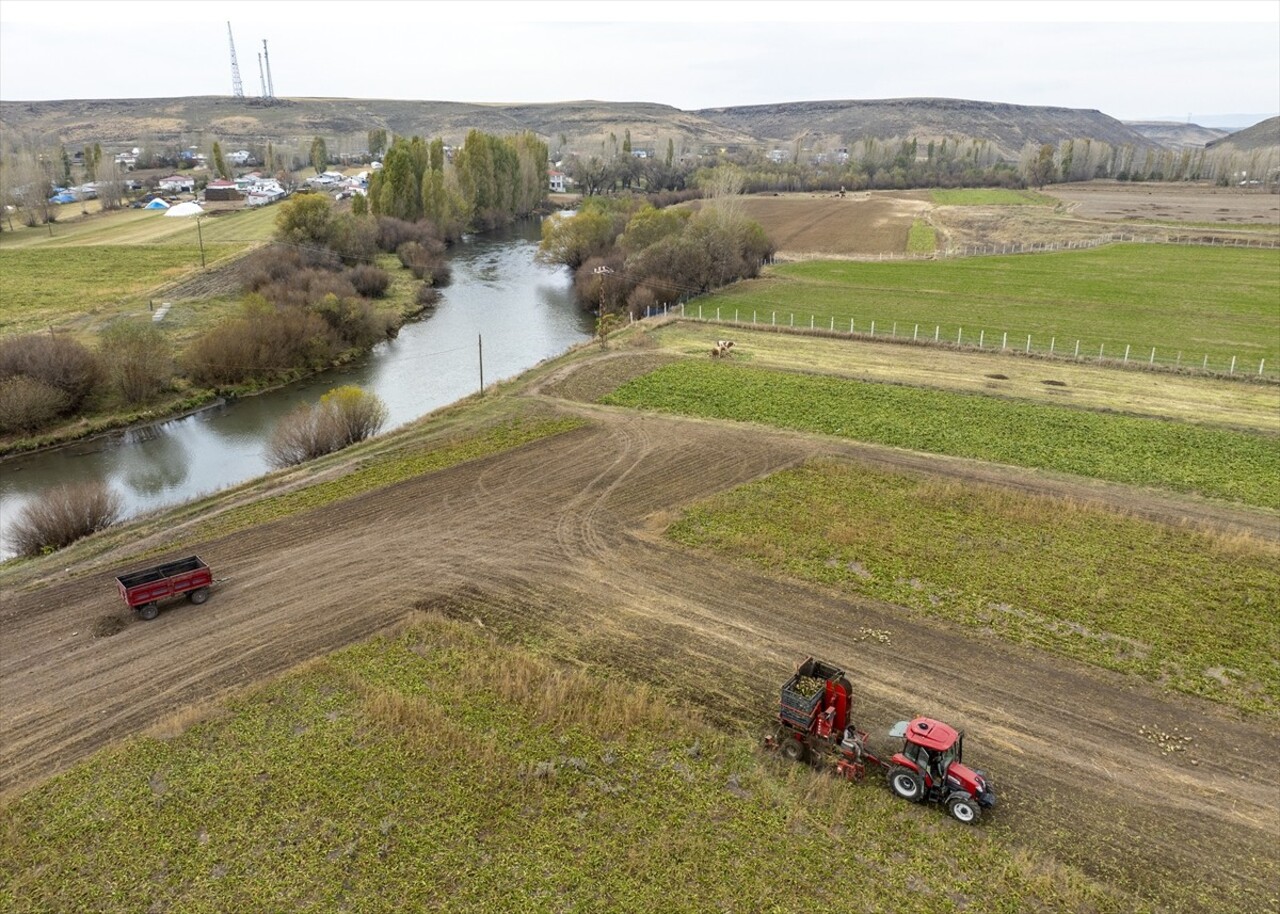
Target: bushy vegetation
column 1237, row 466
column 629, row 256
column 42, row 376
column 1188, row 609
column 304, row 311
column 138, row 359
column 437, row 769
column 261, row 343
column 344, row 416
column 27, row 404
column 62, row 515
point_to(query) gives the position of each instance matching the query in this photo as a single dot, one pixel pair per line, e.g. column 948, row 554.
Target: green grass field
column 1185, row 302
column 50, row 285
column 136, row 226
column 1190, row 610
column 1235, row 466
column 989, row 196
column 439, row 770
column 103, row 264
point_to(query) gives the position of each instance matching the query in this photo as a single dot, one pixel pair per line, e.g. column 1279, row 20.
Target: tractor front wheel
column 907, row 784
column 963, row 809
column 793, row 749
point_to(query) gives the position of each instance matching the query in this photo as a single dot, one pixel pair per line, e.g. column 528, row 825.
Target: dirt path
column 561, row 540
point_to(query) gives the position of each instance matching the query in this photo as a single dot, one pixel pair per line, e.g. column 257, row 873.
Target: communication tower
column 237, row 89
column 266, row 58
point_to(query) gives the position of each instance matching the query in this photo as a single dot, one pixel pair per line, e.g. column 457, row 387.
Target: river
column 501, row 305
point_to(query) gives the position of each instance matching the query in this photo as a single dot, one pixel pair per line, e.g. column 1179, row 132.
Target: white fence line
column 1047, row 247
column 1069, row 349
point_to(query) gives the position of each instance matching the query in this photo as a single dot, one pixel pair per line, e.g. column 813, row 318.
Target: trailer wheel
column 793, row 749
column 199, row 596
column 148, row 611
column 906, row 783
column 963, row 809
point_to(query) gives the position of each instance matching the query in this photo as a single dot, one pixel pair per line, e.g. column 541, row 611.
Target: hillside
column 1008, row 127
column 1265, row 135
column 200, row 120
column 1175, row 134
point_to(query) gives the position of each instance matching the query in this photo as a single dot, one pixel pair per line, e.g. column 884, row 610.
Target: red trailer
column 142, row 590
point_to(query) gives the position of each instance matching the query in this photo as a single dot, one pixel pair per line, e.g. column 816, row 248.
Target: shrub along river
column 522, row 311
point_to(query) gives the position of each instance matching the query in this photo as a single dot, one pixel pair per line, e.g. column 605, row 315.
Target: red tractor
column 814, row 724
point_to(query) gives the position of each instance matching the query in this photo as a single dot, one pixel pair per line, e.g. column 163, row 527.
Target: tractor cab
column 931, row 767
column 930, row 746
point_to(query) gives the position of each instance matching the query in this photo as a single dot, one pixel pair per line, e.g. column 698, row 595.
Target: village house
column 263, row 191
column 221, row 190
column 177, row 184
column 556, row 182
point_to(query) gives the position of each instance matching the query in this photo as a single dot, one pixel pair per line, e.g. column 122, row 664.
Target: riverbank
column 191, row 445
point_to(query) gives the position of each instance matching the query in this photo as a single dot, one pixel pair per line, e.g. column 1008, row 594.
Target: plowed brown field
column 560, row 541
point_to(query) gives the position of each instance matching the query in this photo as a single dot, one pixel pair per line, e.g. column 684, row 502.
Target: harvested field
column 1167, row 202
column 868, row 223
column 558, row 542
column 816, row 226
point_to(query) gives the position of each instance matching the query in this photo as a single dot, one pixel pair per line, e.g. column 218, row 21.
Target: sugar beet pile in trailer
column 815, row 723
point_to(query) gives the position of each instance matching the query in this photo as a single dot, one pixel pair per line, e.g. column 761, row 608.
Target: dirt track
column 560, row 540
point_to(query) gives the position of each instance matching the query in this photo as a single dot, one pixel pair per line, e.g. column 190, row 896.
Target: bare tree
column 110, row 184
column 32, row 185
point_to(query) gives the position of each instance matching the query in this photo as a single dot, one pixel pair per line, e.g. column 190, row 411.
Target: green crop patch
column 989, row 196
column 1191, row 610
column 1192, row 305
column 922, row 238
column 438, row 770
column 1237, row 466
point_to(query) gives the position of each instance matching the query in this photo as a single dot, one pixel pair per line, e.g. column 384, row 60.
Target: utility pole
column 480, row 344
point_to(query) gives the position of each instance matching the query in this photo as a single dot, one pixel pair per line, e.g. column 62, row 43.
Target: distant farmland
column 1181, row 300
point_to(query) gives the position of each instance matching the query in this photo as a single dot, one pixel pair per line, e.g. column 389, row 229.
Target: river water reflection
column 523, row 312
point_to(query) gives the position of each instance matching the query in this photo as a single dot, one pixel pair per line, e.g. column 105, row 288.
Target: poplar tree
column 319, row 154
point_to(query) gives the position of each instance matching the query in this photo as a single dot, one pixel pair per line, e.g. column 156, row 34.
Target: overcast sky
column 1131, row 60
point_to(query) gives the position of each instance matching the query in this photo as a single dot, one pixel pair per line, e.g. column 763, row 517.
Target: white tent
column 191, row 208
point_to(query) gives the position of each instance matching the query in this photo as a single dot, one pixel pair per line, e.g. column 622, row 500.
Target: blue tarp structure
column 63, row 197
column 157, row 203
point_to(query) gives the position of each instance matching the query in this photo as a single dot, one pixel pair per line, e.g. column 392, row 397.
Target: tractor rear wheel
column 963, row 809
column 906, row 783
column 148, row 611
column 793, row 749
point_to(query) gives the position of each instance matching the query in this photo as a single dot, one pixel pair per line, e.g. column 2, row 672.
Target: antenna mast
column 271, row 89
column 237, row 89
